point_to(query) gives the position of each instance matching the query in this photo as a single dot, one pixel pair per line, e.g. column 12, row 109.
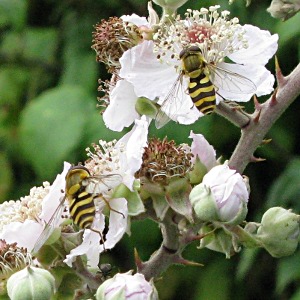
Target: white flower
column 127, row 286
column 120, row 159
column 121, row 111
column 23, row 221
column 229, row 191
column 218, row 38
column 90, row 245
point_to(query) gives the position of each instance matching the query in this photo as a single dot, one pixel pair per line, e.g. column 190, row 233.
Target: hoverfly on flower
column 204, row 82
column 81, row 190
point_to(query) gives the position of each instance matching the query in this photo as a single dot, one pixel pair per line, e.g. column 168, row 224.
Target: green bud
column 203, row 203
column 31, row 283
column 279, row 231
column 135, row 203
column 146, row 107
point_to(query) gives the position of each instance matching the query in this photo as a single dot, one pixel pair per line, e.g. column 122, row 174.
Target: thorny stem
column 92, row 281
column 167, row 254
column 264, row 117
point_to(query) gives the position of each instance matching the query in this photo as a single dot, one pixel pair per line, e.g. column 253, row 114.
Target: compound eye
column 194, row 48
column 182, row 53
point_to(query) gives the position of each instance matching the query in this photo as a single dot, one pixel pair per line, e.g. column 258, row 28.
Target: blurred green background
column 48, row 114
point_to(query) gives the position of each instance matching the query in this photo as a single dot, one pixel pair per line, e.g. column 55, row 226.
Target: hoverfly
column 200, row 87
column 81, row 189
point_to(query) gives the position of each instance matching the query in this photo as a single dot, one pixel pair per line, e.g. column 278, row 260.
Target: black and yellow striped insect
column 204, row 81
column 80, row 190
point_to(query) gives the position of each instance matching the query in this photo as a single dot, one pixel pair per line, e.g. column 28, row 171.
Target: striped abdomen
column 82, row 209
column 202, row 91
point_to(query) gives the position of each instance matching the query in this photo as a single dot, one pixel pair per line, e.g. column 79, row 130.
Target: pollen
column 212, row 31
column 104, row 157
column 163, row 160
column 112, row 38
column 27, row 208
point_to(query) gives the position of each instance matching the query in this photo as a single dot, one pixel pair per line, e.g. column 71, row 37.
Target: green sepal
column 134, row 201
column 177, row 195
column 145, row 106
column 197, row 173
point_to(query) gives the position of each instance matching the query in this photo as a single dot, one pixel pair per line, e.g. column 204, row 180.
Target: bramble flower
column 127, row 286
column 120, row 159
column 23, row 221
column 219, row 39
column 222, row 196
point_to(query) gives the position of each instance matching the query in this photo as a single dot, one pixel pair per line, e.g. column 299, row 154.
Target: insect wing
column 50, row 226
column 101, row 183
column 171, row 104
column 230, row 81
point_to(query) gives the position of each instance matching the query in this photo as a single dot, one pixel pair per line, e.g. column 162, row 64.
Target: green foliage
column 48, row 90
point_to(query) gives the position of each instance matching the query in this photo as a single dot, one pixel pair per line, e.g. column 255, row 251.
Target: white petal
column 262, row 46
column 117, row 222
column 135, row 19
column 121, row 110
column 259, row 75
column 24, row 234
column 135, row 141
column 90, row 246
column 201, row 148
column 150, row 78
column 52, row 200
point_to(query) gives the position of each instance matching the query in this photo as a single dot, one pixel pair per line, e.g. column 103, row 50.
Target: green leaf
column 12, row 84
column 287, row 272
column 33, row 44
column 287, row 30
column 215, row 275
column 5, row 177
column 13, row 12
column 52, row 126
column 285, row 190
column 248, row 257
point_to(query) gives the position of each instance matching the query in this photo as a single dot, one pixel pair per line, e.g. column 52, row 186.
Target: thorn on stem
column 256, row 103
column 266, row 141
column 279, row 76
column 138, row 261
column 185, row 262
column 273, row 100
column 256, row 118
column 257, row 159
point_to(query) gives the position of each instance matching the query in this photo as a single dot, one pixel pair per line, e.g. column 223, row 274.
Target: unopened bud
column 126, row 286
column 284, row 9
column 279, row 231
column 31, row 283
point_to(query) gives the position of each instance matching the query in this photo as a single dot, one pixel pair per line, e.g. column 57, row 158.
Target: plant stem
column 263, row 118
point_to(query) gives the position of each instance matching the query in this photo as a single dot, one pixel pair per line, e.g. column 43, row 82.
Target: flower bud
column 229, row 190
column 31, row 283
column 279, row 231
column 126, row 286
column 204, row 203
column 284, row 9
